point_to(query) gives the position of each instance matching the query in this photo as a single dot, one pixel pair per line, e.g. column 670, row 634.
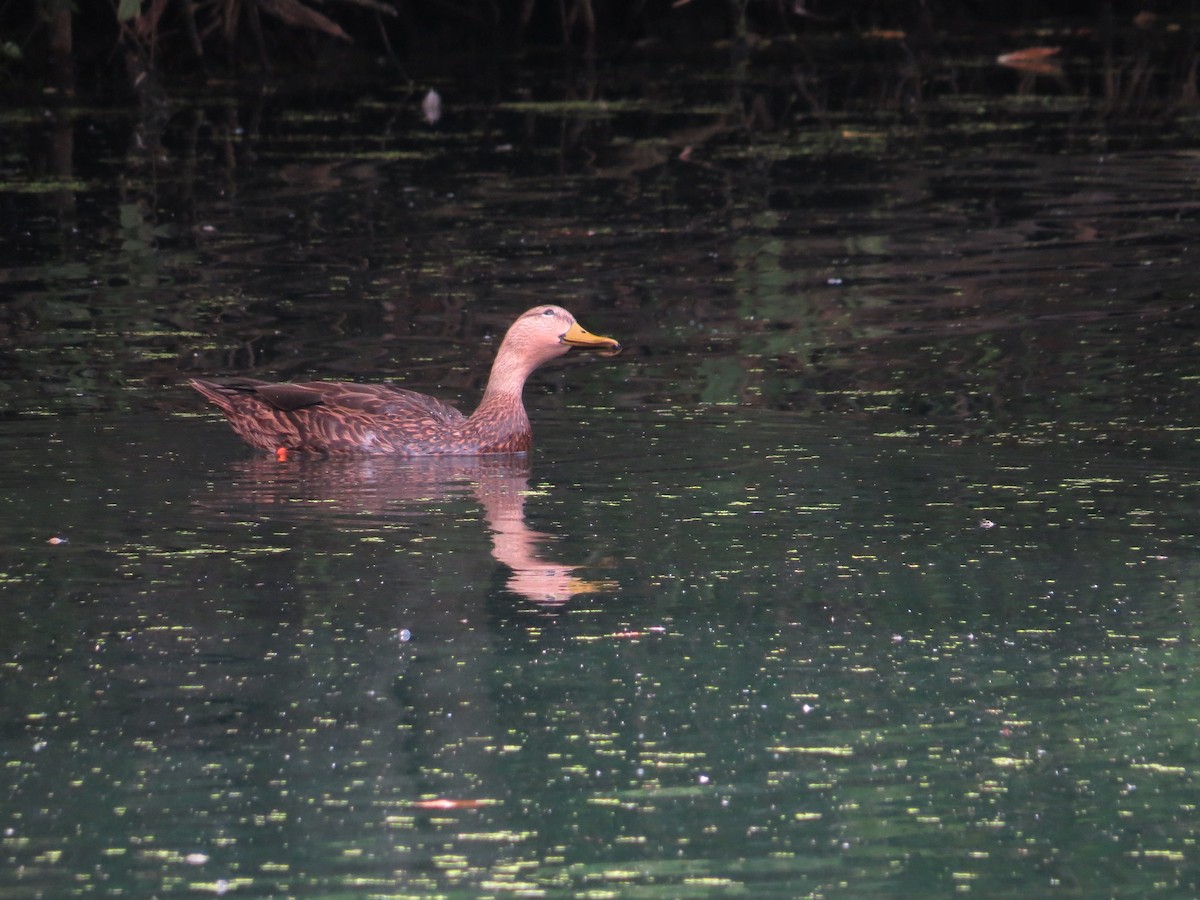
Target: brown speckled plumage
column 342, row 417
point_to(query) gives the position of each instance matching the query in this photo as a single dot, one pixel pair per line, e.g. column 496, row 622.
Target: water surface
column 869, row 568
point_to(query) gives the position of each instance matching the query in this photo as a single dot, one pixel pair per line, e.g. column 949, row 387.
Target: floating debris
column 448, row 803
column 431, row 107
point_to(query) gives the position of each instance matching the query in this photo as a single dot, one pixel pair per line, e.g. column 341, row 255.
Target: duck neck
column 498, row 404
column 506, row 381
column 500, row 416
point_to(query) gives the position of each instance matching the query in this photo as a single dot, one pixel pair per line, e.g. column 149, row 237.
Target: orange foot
column 281, row 454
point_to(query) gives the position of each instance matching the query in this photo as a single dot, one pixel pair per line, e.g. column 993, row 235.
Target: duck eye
column 548, row 312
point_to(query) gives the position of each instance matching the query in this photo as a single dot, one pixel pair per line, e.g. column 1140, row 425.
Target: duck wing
column 333, row 416
column 374, row 400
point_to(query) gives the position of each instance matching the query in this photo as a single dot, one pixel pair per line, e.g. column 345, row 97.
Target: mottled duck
column 342, row 417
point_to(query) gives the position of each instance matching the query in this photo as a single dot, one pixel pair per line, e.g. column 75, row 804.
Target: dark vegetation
column 64, row 45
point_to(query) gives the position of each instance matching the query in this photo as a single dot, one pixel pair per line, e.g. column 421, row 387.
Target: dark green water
column 869, row 568
column 805, row 664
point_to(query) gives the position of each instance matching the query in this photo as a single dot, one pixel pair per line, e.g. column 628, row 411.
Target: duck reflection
column 387, row 485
